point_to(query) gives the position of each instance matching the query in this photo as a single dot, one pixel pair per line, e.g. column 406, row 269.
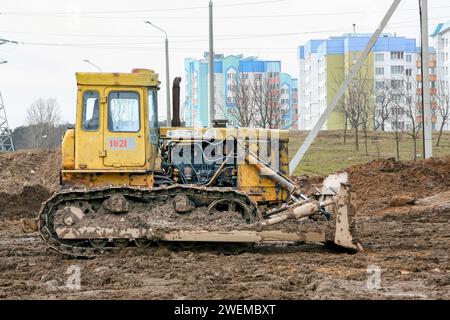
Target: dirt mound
column 27, row 178
column 25, row 204
column 27, row 168
column 378, row 181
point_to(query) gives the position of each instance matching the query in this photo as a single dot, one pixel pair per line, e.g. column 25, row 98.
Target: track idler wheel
column 165, row 244
column 98, row 243
column 142, row 243
column 121, row 243
column 233, row 249
column 186, row 244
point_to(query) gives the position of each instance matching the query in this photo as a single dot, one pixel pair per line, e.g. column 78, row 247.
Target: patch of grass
column 329, row 154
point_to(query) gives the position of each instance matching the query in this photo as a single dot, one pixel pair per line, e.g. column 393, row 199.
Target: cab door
column 124, row 129
column 88, row 130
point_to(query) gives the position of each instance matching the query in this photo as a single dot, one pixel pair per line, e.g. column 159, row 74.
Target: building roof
column 441, row 28
column 356, row 42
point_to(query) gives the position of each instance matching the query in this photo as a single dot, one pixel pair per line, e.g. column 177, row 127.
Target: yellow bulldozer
column 126, row 181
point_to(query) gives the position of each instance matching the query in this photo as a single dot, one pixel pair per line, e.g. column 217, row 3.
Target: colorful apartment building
column 323, row 64
column 441, row 42
column 228, row 70
column 435, row 119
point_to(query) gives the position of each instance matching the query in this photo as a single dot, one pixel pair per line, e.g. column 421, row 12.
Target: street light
column 94, row 65
column 167, row 73
column 3, row 61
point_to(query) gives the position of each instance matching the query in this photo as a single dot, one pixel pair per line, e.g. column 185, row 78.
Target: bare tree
column 43, row 116
column 396, row 119
column 240, row 107
column 409, row 106
column 266, row 99
column 383, row 104
column 443, row 106
column 358, row 103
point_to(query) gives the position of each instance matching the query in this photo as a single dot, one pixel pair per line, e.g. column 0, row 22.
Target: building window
column 396, row 55
column 396, row 98
column 408, row 58
column 379, row 57
column 397, row 69
column 379, row 84
column 408, row 72
column 379, row 71
column 398, row 125
column 397, row 84
column 231, row 75
column 379, row 99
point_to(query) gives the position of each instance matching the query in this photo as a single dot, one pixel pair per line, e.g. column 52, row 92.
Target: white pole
column 426, row 99
column 166, row 48
column 169, row 117
column 211, row 67
column 354, row 69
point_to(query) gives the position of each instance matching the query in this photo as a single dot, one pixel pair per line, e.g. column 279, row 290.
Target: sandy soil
column 406, row 248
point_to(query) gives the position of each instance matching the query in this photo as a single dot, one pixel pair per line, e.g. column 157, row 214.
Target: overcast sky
column 56, row 36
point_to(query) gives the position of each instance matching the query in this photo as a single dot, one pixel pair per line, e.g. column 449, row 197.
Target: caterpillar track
column 91, row 204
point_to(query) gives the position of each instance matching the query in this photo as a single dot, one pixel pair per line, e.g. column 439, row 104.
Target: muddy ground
column 406, row 252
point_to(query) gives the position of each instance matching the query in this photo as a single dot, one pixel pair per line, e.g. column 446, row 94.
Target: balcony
column 433, row 91
column 433, row 77
column 433, row 119
column 433, row 105
column 431, row 64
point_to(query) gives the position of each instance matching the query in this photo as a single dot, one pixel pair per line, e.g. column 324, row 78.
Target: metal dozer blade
column 335, row 201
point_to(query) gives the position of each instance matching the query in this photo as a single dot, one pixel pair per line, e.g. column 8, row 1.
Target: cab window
column 90, row 111
column 123, row 111
column 152, row 109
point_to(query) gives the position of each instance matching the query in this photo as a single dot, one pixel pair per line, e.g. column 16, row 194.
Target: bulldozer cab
column 116, row 125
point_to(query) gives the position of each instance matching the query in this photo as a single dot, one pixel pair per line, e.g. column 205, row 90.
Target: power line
column 37, row 13
column 203, row 37
column 312, row 14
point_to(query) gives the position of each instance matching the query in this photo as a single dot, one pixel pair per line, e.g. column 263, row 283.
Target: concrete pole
column 211, row 67
column 426, row 98
column 166, row 43
column 169, row 118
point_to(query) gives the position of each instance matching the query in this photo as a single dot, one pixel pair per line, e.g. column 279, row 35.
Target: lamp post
column 167, row 72
column 94, row 65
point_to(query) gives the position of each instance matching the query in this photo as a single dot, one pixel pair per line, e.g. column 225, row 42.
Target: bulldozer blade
column 332, row 184
column 343, row 231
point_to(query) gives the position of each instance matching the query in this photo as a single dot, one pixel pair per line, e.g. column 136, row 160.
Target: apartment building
column 228, row 71
column 441, row 41
column 324, row 63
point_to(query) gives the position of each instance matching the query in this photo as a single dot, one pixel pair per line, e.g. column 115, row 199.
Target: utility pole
column 211, row 67
column 166, row 45
column 426, row 99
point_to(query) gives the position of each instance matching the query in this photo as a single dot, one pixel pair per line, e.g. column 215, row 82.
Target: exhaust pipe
column 176, row 122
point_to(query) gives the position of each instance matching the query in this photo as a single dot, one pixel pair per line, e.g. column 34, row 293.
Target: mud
column 378, row 181
column 27, row 178
column 406, row 252
column 407, row 247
